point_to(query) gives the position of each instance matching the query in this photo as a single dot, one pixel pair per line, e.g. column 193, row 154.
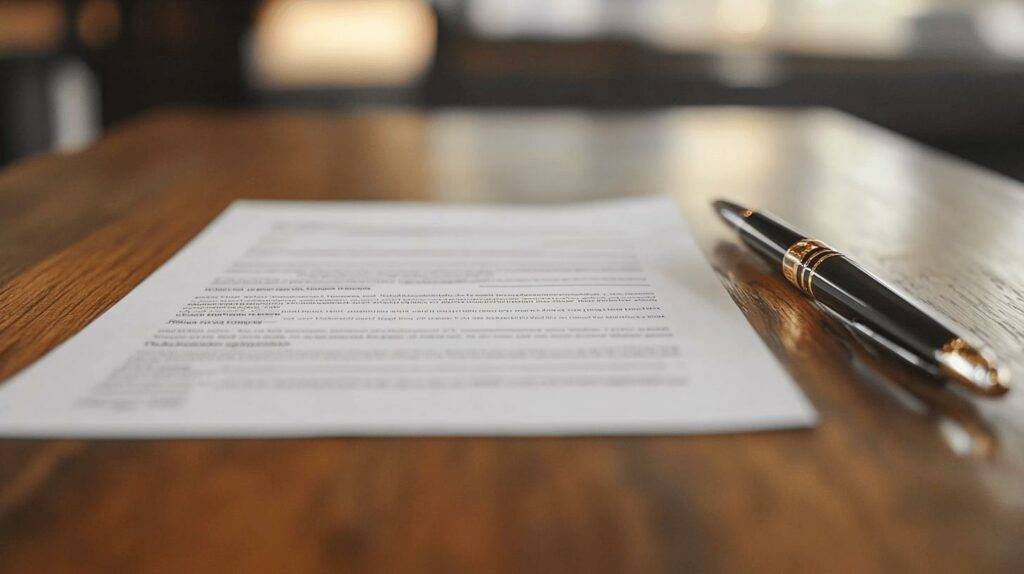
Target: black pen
column 866, row 304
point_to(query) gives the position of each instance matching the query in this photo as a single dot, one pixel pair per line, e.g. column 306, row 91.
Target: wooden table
column 897, row 477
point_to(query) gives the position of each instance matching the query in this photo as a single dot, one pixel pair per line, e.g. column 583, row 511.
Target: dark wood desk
column 897, row 477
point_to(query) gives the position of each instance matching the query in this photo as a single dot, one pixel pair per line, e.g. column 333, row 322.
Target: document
column 337, row 318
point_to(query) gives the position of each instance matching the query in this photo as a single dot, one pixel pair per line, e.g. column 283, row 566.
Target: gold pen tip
column 973, row 368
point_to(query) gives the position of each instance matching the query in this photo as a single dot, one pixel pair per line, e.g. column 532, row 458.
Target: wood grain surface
column 898, row 477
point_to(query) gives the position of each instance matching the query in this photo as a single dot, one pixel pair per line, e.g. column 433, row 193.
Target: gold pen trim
column 801, row 262
column 972, row 368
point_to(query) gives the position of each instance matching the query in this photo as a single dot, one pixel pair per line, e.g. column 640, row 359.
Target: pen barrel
column 852, row 292
column 866, row 304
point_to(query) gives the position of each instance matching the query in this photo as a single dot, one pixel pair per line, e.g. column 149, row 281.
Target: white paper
column 303, row 318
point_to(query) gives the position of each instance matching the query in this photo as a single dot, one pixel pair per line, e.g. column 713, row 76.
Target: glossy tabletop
column 898, row 476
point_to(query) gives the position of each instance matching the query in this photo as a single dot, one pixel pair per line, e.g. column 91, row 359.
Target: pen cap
column 762, row 233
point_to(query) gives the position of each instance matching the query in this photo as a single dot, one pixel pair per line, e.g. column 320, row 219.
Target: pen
column 866, row 304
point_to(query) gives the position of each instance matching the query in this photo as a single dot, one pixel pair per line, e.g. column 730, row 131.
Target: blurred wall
column 946, row 72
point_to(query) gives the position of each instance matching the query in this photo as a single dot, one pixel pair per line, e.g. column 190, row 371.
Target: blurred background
column 946, row 72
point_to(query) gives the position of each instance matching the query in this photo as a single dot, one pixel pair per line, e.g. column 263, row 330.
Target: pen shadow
column 793, row 326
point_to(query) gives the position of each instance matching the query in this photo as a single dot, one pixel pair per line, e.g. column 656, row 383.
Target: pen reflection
column 957, row 420
column 784, row 321
column 794, row 326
